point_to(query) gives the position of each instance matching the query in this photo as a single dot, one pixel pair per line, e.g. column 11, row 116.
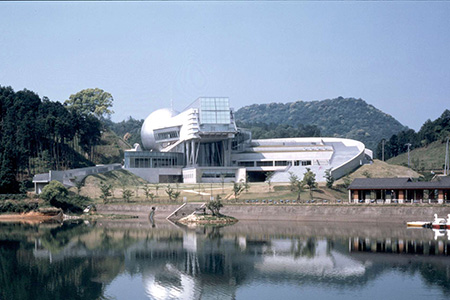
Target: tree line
column 37, row 135
column 431, row 131
column 340, row 117
column 261, row 130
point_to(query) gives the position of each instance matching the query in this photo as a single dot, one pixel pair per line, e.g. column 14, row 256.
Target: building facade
column 399, row 190
column 203, row 144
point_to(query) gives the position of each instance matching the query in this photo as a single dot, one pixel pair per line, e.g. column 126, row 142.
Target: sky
column 151, row 55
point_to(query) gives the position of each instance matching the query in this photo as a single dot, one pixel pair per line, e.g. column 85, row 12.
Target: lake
column 133, row 259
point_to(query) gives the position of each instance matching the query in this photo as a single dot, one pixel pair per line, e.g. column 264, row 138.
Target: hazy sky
column 394, row 55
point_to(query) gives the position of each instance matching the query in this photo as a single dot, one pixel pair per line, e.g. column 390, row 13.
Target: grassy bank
column 123, row 180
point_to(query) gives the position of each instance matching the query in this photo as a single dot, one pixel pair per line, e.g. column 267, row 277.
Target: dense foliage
column 341, row 117
column 431, row 131
column 129, row 130
column 261, row 130
column 57, row 195
column 37, row 135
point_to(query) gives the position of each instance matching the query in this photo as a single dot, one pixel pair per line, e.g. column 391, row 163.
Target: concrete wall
column 301, row 213
column 162, row 210
column 352, row 164
column 71, row 176
column 152, row 174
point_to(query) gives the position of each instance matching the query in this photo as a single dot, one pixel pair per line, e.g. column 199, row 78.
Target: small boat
column 441, row 223
column 418, row 224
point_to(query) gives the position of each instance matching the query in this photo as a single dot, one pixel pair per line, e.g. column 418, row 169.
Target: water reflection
column 85, row 261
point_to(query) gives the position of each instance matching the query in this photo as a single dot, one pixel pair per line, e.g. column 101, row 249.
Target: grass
column 380, row 169
column 111, row 148
column 122, row 179
column 430, row 158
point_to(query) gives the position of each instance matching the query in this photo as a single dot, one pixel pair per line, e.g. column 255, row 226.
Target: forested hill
column 340, row 117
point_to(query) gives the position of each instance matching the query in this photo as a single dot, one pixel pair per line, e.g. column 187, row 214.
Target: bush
column 17, row 206
column 214, row 206
column 54, row 191
column 13, row 196
column 73, row 204
column 58, row 196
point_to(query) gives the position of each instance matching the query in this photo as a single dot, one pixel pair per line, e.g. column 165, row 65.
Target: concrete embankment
column 301, row 213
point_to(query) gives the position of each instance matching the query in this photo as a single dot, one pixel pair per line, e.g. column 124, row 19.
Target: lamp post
column 408, row 145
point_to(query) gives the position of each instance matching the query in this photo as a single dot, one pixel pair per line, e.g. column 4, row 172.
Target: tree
column 329, row 178
column 269, row 176
column 214, row 206
column 238, row 187
column 147, row 191
column 309, row 178
column 173, row 195
column 53, row 192
column 246, row 184
column 297, row 185
column 347, row 181
column 127, row 194
column 105, row 190
column 95, row 102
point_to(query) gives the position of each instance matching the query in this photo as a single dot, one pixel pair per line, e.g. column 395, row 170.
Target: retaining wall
column 301, row 213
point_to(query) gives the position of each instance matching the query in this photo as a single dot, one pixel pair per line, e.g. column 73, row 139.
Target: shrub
column 54, row 191
column 13, row 196
column 73, row 204
column 17, row 206
column 58, row 196
column 214, row 206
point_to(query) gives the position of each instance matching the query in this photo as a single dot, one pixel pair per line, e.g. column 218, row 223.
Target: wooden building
column 399, row 190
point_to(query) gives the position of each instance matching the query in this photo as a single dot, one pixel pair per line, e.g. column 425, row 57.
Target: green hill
column 429, row 158
column 340, row 117
column 111, row 148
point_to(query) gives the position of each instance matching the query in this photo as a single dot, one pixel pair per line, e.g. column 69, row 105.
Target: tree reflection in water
column 75, row 261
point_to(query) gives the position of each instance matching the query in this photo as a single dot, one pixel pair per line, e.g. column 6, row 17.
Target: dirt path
column 30, row 217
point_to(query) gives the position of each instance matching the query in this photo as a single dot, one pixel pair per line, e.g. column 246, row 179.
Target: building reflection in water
column 179, row 263
column 400, row 246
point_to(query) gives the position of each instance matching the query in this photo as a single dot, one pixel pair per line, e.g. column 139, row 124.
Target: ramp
column 185, row 210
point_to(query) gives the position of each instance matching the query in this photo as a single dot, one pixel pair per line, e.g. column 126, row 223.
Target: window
column 264, row 163
column 167, row 135
column 281, row 163
column 306, row 163
column 214, row 111
column 246, row 163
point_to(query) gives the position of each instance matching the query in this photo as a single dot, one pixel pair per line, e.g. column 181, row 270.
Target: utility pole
column 382, row 149
column 408, row 145
column 446, row 164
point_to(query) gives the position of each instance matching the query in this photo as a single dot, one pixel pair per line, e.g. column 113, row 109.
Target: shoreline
column 299, row 213
column 399, row 214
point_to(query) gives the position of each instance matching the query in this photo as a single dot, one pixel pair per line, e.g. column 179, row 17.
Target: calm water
column 279, row 260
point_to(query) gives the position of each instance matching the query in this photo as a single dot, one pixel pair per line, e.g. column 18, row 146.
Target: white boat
column 441, row 223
